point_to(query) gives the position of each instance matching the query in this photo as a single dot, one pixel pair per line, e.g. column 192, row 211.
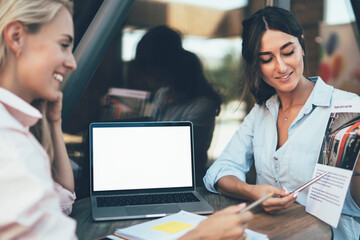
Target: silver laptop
column 143, row 170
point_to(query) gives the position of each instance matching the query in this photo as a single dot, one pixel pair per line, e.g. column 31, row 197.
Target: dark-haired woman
column 282, row 134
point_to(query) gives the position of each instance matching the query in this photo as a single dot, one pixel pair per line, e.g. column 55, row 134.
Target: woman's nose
column 70, row 62
column 280, row 65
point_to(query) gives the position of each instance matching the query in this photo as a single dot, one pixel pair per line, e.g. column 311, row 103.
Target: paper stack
column 171, row 227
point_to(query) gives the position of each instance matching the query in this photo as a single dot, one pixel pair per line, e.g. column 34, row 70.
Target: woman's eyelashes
column 64, row 45
column 265, row 60
column 289, row 53
column 262, row 60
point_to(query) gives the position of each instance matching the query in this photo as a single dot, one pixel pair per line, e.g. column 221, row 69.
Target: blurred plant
column 226, row 78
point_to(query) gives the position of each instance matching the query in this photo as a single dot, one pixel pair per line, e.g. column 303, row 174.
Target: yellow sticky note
column 172, row 227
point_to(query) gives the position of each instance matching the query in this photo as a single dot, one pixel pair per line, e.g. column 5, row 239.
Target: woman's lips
column 285, row 78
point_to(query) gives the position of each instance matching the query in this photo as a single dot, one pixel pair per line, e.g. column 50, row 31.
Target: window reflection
column 214, row 36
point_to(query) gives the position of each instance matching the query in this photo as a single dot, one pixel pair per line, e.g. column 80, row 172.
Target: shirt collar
column 22, row 111
column 320, row 95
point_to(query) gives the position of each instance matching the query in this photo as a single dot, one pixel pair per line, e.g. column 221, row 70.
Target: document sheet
column 338, row 156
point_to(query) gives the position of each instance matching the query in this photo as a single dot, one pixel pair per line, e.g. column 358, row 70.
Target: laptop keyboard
column 146, row 199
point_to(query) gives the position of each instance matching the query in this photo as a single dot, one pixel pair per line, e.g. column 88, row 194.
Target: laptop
column 143, row 170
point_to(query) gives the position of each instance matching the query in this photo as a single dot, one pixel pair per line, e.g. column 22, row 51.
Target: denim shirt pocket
column 302, row 160
column 259, row 156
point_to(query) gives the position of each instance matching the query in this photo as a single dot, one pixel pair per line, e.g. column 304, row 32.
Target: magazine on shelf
column 122, row 103
column 339, row 153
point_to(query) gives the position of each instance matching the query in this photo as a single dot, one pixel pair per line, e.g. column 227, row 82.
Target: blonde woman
column 35, row 54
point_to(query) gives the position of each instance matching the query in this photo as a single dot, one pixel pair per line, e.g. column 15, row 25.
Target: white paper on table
column 171, row 227
column 165, row 228
column 251, row 235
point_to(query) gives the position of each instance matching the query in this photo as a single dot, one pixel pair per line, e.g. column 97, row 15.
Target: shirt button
column 275, row 158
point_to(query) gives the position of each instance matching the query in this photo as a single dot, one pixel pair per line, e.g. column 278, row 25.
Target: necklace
column 282, row 113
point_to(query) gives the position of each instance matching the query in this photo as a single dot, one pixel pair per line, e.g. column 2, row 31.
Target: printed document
column 339, row 153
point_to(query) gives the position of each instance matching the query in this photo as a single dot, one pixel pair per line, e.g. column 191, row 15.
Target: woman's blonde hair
column 32, row 14
column 41, row 130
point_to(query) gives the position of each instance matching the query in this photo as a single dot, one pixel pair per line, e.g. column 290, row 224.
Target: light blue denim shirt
column 293, row 164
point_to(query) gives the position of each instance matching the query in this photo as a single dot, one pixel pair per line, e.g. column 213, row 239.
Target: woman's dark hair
column 157, row 48
column 253, row 29
column 190, row 81
column 160, row 60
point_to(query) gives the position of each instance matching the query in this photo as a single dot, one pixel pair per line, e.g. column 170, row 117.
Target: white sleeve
column 237, row 157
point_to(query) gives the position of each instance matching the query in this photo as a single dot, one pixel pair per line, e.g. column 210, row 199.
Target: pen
column 309, row 183
column 257, row 202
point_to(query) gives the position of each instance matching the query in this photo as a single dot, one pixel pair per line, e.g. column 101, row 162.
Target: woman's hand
column 53, row 111
column 233, row 187
column 61, row 166
column 225, row 224
column 281, row 199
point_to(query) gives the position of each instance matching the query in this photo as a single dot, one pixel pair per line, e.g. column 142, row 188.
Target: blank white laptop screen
column 130, row 158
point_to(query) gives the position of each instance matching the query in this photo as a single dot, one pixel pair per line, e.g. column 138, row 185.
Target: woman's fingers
column 247, row 216
column 278, row 203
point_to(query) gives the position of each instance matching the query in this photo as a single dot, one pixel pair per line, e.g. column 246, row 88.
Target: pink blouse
column 32, row 205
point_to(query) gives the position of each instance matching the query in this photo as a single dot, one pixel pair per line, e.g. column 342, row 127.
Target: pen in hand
column 309, row 183
column 257, row 202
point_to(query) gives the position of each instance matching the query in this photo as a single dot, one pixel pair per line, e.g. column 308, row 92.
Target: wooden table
column 292, row 223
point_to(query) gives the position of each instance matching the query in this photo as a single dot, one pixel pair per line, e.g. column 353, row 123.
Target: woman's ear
column 14, row 33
